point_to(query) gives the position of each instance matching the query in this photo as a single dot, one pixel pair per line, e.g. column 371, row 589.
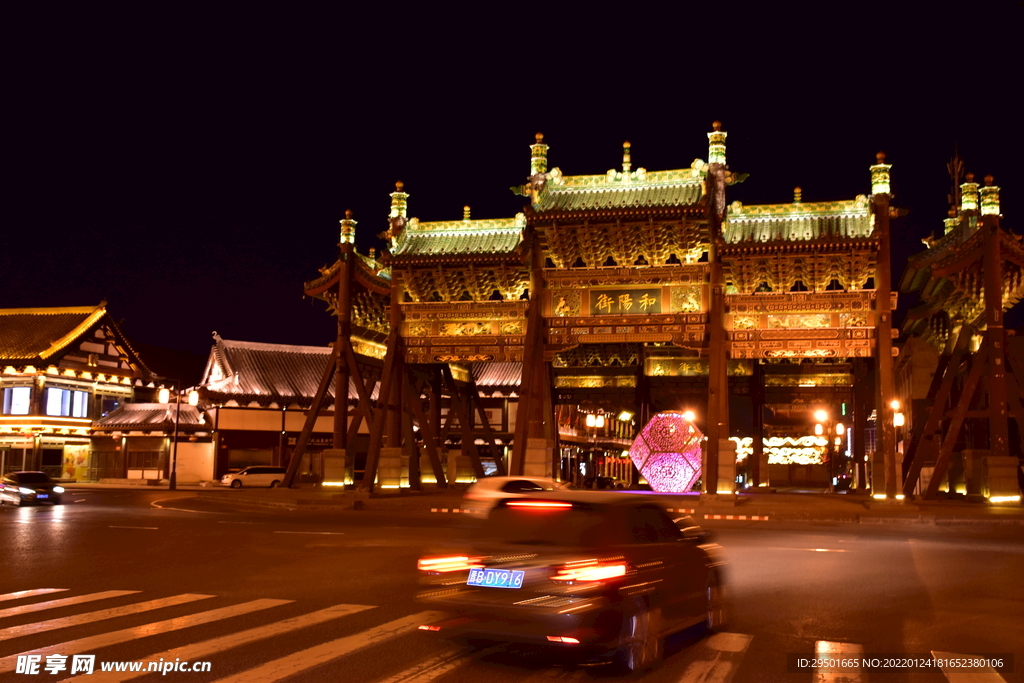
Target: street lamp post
column 193, row 400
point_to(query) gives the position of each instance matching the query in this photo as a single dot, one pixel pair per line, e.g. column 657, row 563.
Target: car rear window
column 586, row 527
column 33, row 478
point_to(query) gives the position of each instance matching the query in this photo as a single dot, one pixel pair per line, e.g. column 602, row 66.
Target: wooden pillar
column 758, row 467
column 885, row 479
column 393, row 401
column 861, row 410
column 995, row 337
column 344, row 311
column 718, row 379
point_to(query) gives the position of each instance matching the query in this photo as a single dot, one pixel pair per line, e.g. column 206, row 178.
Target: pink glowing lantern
column 667, row 452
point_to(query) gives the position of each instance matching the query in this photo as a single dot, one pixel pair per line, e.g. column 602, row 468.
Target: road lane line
column 319, row 533
column 62, row 602
column 988, row 675
column 824, row 649
column 89, row 644
column 284, row 667
column 197, row 651
column 112, row 526
column 99, row 615
column 728, row 650
column 17, row 595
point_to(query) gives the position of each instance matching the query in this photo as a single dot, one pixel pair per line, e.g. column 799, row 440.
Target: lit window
column 65, row 403
column 17, row 400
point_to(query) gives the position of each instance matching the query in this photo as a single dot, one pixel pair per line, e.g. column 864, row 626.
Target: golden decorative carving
column 805, row 320
column 686, row 300
column 512, row 327
column 465, row 329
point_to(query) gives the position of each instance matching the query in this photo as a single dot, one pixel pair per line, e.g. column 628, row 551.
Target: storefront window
column 17, row 400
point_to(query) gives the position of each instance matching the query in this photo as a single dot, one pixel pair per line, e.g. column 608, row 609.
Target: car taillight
column 539, row 504
column 450, row 563
column 590, row 570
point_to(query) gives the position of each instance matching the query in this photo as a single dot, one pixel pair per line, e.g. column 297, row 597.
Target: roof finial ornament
column 797, row 195
column 627, row 163
column 990, row 197
column 880, row 175
column 716, row 144
column 969, row 194
column 399, row 201
column 538, row 156
column 465, row 212
column 348, row 228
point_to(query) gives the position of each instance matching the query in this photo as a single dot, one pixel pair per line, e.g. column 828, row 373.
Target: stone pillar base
column 726, row 467
column 337, row 468
column 1000, row 476
column 538, row 458
column 392, row 466
column 974, row 474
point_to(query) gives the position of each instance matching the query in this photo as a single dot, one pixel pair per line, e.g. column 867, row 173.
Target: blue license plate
column 496, row 578
column 42, row 495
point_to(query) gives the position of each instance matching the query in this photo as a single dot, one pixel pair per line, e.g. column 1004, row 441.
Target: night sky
column 190, row 169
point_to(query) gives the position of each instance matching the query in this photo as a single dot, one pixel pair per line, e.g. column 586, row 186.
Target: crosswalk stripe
column 306, row 659
column 197, row 651
column 17, row 595
column 825, row 649
column 728, row 650
column 958, row 676
column 99, row 615
column 89, row 644
column 62, row 602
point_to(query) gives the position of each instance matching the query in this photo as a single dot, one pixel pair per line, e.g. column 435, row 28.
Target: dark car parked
column 20, row 488
column 601, row 574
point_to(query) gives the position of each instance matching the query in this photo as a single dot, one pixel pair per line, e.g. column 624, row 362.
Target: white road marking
column 17, row 595
column 62, row 602
column 79, row 500
column 284, row 667
column 134, row 527
column 319, row 533
column 959, row 676
column 99, row 615
column 824, row 649
column 727, row 653
column 197, row 651
column 91, row 643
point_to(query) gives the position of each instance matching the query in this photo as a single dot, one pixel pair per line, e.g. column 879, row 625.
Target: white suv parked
column 257, row 475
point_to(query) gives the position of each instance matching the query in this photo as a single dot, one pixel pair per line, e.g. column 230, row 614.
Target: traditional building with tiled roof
column 60, row 369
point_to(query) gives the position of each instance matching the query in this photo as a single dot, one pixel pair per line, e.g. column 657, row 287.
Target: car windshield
column 576, row 527
column 33, row 478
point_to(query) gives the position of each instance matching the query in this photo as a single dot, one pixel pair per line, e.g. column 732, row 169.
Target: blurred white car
column 485, row 494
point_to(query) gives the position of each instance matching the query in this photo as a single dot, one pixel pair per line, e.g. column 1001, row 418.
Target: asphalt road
column 251, row 593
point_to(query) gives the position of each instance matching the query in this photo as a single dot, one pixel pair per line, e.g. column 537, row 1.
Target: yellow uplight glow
column 1004, row 499
column 879, row 496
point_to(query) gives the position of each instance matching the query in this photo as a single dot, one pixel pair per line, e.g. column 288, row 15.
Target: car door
column 680, row 564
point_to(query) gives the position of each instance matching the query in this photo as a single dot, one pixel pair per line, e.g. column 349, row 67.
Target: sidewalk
column 785, row 507
column 848, row 508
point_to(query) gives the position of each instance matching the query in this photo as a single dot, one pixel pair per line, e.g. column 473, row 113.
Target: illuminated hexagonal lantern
column 667, row 452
